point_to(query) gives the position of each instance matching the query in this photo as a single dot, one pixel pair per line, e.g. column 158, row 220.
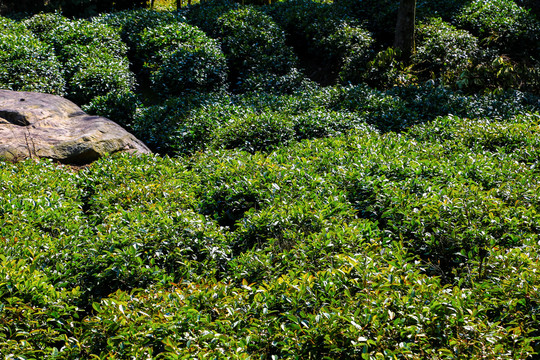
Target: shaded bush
column 182, row 125
column 503, row 24
column 205, row 15
column 120, row 107
column 180, row 58
column 255, row 132
column 443, row 51
column 92, row 73
column 327, row 40
column 256, row 51
column 132, row 23
column 353, row 45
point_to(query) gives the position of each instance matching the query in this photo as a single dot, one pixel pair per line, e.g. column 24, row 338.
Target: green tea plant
column 443, row 51
column 181, row 58
column 503, row 24
column 393, row 216
column 132, row 23
column 256, row 51
column 92, row 55
column 26, row 63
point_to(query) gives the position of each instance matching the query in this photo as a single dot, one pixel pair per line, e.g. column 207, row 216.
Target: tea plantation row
column 419, row 245
column 347, row 206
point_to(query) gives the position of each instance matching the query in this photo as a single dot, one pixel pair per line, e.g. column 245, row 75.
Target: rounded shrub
column 179, row 57
column 205, row 15
column 332, row 44
column 353, row 46
column 183, row 125
column 92, row 54
column 503, row 24
column 43, row 24
column 131, row 24
column 256, row 49
column 26, row 63
column 93, row 73
column 70, row 34
column 443, row 50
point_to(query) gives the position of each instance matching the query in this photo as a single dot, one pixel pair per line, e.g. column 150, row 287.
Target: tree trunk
column 404, row 39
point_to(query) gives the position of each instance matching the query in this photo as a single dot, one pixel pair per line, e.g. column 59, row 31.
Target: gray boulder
column 35, row 125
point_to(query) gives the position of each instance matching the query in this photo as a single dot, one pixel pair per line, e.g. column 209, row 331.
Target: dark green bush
column 402, row 107
column 120, row 107
column 257, row 55
column 353, row 45
column 183, row 125
column 444, row 9
column 26, row 63
column 378, row 15
column 43, row 24
column 443, row 51
column 328, row 41
column 68, row 35
column 255, row 132
column 180, row 58
column 92, row 73
column 205, row 15
column 132, row 23
column 386, row 70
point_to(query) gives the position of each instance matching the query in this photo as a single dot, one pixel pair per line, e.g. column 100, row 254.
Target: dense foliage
column 311, row 196
column 26, row 63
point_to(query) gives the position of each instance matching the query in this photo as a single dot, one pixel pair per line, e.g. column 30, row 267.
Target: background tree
column 404, row 36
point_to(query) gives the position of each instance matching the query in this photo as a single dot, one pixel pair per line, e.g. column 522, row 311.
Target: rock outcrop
column 35, row 125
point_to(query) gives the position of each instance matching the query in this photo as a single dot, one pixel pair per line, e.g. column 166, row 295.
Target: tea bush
column 26, row 63
column 205, row 15
column 121, row 107
column 443, row 51
column 132, row 23
column 295, row 220
column 92, row 73
column 413, row 227
column 255, row 46
column 503, row 24
column 43, row 24
column 92, row 55
column 180, row 58
column 332, row 44
column 182, row 125
column 255, row 133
